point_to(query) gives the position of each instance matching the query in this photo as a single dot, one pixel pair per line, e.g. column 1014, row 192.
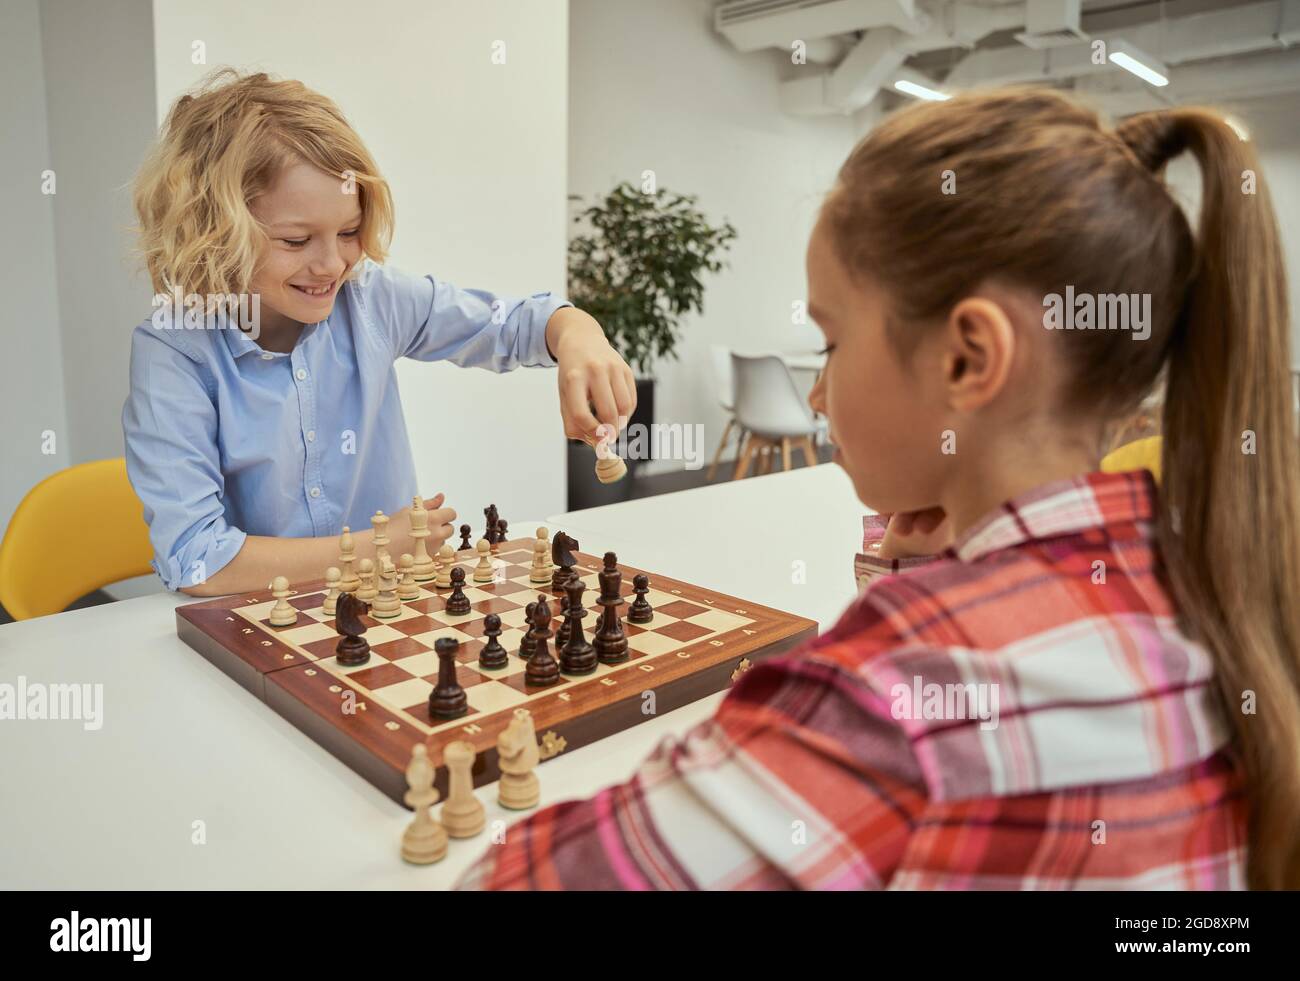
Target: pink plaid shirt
column 1020, row 712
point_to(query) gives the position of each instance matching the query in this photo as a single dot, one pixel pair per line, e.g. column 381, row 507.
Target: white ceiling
column 856, row 49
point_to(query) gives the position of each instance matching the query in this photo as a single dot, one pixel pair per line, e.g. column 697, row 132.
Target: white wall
column 475, row 154
column 1272, row 125
column 31, row 398
column 653, row 87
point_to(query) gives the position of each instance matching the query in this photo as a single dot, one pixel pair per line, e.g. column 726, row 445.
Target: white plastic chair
column 769, row 408
column 720, row 358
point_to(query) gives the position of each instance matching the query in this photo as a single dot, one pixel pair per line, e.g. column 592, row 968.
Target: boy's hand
column 916, row 533
column 592, row 376
column 440, row 525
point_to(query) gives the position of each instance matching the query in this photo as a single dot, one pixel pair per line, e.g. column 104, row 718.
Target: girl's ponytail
column 1230, row 528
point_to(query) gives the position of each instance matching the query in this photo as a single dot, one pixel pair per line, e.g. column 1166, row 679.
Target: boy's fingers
column 442, row 516
column 578, row 420
column 625, row 394
column 602, row 397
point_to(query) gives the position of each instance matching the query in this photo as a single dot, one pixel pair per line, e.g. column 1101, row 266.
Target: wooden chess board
column 369, row 716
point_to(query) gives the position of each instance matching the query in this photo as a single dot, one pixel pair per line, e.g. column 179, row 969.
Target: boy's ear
column 980, row 343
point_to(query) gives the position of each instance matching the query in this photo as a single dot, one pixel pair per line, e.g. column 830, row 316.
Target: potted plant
column 636, row 266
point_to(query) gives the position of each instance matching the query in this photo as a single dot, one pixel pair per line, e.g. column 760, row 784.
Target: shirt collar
column 238, row 342
column 1063, row 507
column 241, row 344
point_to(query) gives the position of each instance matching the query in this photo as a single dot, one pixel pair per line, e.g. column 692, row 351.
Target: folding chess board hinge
column 552, row 745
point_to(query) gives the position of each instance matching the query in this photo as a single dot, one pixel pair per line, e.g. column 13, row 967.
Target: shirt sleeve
column 172, row 459
column 432, row 320
column 800, row 781
column 868, row 566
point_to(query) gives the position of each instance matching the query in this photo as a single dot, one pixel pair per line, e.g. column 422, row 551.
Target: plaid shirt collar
column 1063, row 507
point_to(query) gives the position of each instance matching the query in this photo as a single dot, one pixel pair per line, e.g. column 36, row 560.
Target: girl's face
column 313, row 224
column 887, row 419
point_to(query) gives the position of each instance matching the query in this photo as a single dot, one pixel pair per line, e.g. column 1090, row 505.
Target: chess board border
column 376, row 743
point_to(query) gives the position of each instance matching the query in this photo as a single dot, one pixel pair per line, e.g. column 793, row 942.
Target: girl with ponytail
column 1092, row 682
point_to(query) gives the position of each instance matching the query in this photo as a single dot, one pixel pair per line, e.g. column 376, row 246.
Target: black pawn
column 611, row 642
column 502, row 527
column 493, row 654
column 562, row 634
column 448, row 700
column 457, row 602
column 542, row 669
column 577, row 656
column 528, row 644
column 640, row 611
column 465, row 543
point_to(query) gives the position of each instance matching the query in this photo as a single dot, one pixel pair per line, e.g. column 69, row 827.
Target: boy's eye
column 827, row 349
column 298, row 243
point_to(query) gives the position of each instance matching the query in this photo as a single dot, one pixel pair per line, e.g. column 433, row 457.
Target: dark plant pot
column 585, row 490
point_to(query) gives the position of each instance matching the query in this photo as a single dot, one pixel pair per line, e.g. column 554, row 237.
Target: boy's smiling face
column 313, row 226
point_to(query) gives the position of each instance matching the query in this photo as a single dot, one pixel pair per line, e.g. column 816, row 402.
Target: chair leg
column 765, row 461
column 722, row 445
column 785, row 452
column 742, row 462
column 809, row 454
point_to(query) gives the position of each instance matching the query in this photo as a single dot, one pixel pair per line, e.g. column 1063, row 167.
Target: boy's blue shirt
column 225, row 440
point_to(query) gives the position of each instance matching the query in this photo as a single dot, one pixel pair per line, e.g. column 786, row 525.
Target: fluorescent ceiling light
column 1135, row 60
column 920, row 91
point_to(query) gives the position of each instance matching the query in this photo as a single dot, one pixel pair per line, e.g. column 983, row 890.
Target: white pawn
column 366, row 592
column 483, row 571
column 463, row 816
column 407, row 589
column 424, row 840
column 333, row 585
column 610, row 469
column 282, row 614
column 541, row 571
column 347, row 555
column 517, row 755
column 387, row 605
column 446, row 559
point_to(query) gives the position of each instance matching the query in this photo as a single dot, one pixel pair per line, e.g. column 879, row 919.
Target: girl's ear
column 980, row 346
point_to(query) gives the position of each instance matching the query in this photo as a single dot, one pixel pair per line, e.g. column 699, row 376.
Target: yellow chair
column 1139, row 454
column 76, row 531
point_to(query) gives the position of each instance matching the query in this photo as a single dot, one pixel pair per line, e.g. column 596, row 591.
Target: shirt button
column 302, row 374
column 311, row 435
column 267, row 355
column 315, row 492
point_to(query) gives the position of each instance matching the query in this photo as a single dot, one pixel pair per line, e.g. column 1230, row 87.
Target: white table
column 182, row 743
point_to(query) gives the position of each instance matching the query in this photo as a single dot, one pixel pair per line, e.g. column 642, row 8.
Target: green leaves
column 637, row 268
